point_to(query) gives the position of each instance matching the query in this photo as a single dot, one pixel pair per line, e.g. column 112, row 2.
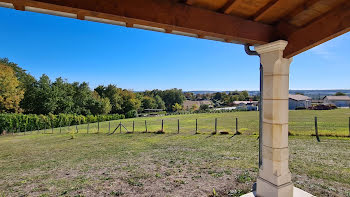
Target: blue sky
column 139, row 60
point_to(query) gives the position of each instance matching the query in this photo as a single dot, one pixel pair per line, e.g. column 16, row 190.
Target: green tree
column 217, row 96
column 177, row 107
column 172, row 96
column 10, row 92
column 204, row 107
column 65, row 93
column 98, row 105
column 44, row 99
column 340, row 94
column 148, row 103
column 130, row 102
column 113, row 93
column 159, row 101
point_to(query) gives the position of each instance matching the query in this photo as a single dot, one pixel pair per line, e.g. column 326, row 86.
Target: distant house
column 187, row 104
column 246, row 105
column 316, row 101
column 297, row 101
column 339, row 101
column 237, row 103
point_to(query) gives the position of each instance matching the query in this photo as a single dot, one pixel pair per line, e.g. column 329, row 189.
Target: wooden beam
column 305, row 6
column 263, row 10
column 331, row 25
column 166, row 14
column 227, row 8
column 285, row 29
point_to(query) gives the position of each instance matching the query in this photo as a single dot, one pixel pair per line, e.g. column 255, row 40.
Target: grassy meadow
column 330, row 122
column 171, row 164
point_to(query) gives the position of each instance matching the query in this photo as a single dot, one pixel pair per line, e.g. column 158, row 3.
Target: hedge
column 23, row 122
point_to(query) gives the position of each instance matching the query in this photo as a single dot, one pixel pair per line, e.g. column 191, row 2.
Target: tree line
column 20, row 92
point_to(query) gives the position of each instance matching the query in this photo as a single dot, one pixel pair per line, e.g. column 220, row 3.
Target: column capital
column 278, row 45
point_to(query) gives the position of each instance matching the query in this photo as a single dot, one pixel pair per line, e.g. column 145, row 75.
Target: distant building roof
column 338, row 98
column 244, row 102
column 298, row 97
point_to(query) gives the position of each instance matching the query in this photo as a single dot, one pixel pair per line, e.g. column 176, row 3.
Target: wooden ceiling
column 304, row 23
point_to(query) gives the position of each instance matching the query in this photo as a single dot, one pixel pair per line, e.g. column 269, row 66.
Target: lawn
column 147, row 164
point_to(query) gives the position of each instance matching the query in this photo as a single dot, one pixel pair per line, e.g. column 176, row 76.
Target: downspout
column 254, row 53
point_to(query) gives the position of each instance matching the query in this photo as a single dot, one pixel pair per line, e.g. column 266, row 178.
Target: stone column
column 274, row 176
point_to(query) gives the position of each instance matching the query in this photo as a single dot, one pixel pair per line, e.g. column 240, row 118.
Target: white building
column 246, row 105
column 339, row 101
column 299, row 101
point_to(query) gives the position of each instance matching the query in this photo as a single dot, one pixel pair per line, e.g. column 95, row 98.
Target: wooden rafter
column 263, row 10
column 331, row 25
column 189, row 2
column 307, row 5
column 170, row 15
column 227, row 8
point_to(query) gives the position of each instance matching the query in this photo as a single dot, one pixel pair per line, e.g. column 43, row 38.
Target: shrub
column 131, row 114
column 23, row 122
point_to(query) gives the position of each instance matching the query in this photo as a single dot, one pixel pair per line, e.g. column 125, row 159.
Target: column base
column 296, row 193
column 265, row 188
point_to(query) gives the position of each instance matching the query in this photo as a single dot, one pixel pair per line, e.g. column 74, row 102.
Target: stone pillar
column 274, row 176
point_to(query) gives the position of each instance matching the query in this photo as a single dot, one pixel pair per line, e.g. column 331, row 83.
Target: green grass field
column 332, row 122
column 171, row 164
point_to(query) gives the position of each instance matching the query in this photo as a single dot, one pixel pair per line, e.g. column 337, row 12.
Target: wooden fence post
column 236, row 125
column 25, row 129
column 178, row 126
column 76, row 128
column 109, row 126
column 98, row 126
column 60, row 127
column 87, row 129
column 349, row 126
column 146, row 125
column 216, row 125
column 133, row 126
column 316, row 130
column 196, row 126
column 51, row 128
column 120, row 125
column 162, row 125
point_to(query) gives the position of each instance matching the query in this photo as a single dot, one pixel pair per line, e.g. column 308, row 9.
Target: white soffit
column 214, row 38
column 51, row 12
column 184, row 33
column 102, row 20
column 149, row 28
column 6, row 5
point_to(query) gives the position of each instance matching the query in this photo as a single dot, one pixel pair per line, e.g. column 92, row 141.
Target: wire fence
column 245, row 123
